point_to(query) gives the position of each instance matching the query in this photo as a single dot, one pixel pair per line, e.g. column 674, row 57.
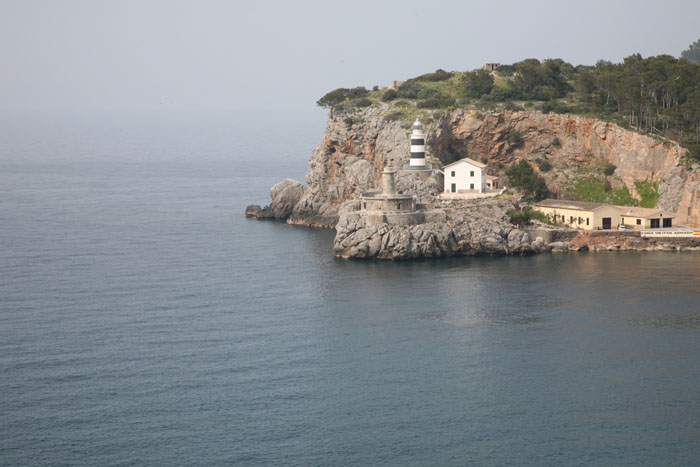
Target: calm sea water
column 145, row 321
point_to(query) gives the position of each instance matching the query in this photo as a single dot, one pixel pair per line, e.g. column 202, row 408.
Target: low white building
column 465, row 176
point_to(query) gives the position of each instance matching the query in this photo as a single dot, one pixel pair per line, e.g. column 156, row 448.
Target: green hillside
column 655, row 95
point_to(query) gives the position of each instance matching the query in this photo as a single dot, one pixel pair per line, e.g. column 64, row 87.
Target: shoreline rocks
column 285, row 195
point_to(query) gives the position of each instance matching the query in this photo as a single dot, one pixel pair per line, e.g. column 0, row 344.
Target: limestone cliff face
column 350, row 159
column 585, row 145
column 356, row 148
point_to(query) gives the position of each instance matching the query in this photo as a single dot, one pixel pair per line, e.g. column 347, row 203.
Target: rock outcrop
column 470, row 229
column 285, row 195
column 584, row 145
column 350, row 159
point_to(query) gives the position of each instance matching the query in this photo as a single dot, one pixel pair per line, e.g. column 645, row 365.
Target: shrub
column 477, row 83
column 544, row 165
column 438, row 75
column 389, row 95
column 561, row 109
column 332, row 98
column 609, row 169
column 622, row 197
column 501, row 94
column 513, row 107
column 525, row 216
column 375, row 88
column 546, row 107
column 361, row 102
column 693, row 151
column 648, row 191
column 514, row 138
column 556, row 143
column 506, row 70
column 410, row 89
column 521, row 175
column 335, row 97
column 590, row 189
column 353, row 93
column 436, row 102
column 393, row 116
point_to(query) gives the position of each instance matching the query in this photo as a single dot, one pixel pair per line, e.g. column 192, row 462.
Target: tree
column 692, row 54
column 477, row 83
column 335, row 97
column 521, row 175
column 332, row 98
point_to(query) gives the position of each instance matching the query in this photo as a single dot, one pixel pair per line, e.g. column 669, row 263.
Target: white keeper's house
column 466, row 175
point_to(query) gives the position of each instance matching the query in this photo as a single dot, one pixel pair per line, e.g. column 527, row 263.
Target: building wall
column 579, row 219
column 381, row 204
column 631, row 221
column 463, row 179
column 607, row 211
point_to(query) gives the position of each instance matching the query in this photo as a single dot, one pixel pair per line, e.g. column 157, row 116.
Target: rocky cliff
column 585, row 145
column 350, row 159
column 356, row 147
column 463, row 230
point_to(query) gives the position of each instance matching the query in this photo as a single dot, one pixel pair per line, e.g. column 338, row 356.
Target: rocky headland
column 358, row 146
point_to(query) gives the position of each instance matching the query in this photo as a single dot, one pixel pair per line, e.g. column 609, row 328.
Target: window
column 622, row 220
column 571, row 219
column 471, row 173
column 587, row 219
column 471, row 186
column 452, row 173
column 580, row 221
column 639, row 222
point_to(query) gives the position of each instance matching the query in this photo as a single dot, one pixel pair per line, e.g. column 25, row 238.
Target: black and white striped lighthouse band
column 417, row 145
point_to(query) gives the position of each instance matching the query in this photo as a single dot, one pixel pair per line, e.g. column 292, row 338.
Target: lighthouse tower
column 417, row 146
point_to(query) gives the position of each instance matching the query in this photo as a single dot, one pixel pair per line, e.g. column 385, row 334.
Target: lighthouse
column 417, row 146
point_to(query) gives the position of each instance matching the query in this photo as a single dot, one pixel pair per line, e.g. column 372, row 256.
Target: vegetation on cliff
column 655, row 95
column 521, row 175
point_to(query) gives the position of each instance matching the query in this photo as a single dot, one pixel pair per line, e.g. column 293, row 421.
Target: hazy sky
column 216, row 54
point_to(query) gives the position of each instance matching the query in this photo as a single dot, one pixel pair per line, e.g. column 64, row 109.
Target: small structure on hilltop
column 396, row 84
column 490, row 66
column 387, row 200
column 636, row 218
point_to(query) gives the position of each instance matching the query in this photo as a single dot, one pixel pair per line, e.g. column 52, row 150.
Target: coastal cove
column 146, row 321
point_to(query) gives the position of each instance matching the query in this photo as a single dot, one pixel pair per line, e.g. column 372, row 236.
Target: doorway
column 668, row 222
column 607, row 223
column 454, row 188
column 654, row 223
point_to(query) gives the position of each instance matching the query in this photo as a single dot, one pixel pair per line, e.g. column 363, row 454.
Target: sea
column 144, row 321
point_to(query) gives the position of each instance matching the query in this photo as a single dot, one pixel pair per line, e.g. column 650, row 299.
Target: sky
column 246, row 55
